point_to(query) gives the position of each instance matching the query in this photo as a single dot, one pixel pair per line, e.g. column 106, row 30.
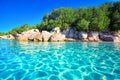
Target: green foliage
column 93, row 19
column 106, row 16
column 63, row 18
column 83, row 25
column 107, row 8
column 2, row 33
column 115, row 17
column 24, row 27
column 98, row 20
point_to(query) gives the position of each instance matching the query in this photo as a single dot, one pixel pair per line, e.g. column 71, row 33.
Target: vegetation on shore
column 105, row 16
column 2, row 33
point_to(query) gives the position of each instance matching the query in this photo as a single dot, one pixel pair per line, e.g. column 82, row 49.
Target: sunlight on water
column 59, row 61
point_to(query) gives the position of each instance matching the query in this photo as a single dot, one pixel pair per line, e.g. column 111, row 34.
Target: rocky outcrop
column 93, row 37
column 38, row 37
column 46, row 36
column 83, row 36
column 66, row 35
column 11, row 37
column 57, row 37
column 71, row 33
column 106, row 37
column 55, row 30
column 116, row 39
column 30, row 35
column 116, row 36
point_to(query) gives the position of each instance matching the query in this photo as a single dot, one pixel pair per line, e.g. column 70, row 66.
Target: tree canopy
column 105, row 16
column 2, row 33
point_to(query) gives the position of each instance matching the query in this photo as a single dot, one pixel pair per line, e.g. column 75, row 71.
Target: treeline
column 105, row 16
column 22, row 28
column 2, row 33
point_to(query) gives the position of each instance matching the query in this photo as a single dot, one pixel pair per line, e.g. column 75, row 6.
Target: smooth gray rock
column 106, row 37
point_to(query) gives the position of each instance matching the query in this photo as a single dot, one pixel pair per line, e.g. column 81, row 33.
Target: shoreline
column 69, row 35
column 62, row 41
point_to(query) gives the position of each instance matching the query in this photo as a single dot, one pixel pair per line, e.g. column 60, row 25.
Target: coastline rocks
column 65, row 32
column 76, row 35
column 30, row 35
column 22, row 38
column 46, row 36
column 93, row 37
column 106, row 37
column 71, row 32
column 11, row 37
column 66, row 35
column 83, row 36
column 57, row 37
column 70, row 39
column 116, row 36
column 116, row 39
column 38, row 37
column 55, row 30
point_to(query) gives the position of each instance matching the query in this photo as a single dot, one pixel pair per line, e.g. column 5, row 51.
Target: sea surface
column 59, row 60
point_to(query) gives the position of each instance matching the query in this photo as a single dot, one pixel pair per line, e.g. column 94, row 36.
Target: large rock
column 71, row 33
column 76, row 35
column 106, row 37
column 57, row 37
column 55, row 30
column 84, row 35
column 17, row 36
column 46, row 35
column 30, row 35
column 116, row 39
column 22, row 38
column 93, row 36
column 116, row 36
column 65, row 32
column 38, row 37
column 11, row 37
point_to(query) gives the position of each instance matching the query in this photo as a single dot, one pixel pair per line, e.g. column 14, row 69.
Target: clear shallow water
column 59, row 61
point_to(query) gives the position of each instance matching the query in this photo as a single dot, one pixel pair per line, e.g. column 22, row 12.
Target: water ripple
column 59, row 61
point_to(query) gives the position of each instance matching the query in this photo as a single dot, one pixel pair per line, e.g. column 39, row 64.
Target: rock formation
column 30, row 35
column 11, row 37
column 46, row 36
column 66, row 35
column 57, row 37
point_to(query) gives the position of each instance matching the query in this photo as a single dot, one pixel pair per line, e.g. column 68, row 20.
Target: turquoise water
column 59, row 61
